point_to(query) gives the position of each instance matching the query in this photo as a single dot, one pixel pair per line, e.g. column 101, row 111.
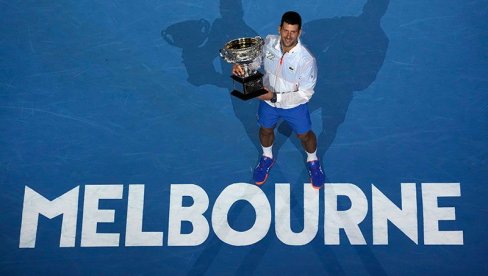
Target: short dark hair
column 292, row 18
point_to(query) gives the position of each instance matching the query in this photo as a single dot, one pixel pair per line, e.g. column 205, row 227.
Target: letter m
column 35, row 204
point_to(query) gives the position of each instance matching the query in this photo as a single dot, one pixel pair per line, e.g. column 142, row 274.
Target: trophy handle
column 167, row 37
column 260, row 39
column 205, row 26
column 223, row 53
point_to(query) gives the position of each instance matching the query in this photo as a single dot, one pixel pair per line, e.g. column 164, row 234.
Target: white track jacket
column 292, row 75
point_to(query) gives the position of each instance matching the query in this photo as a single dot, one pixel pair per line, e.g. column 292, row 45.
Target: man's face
column 289, row 34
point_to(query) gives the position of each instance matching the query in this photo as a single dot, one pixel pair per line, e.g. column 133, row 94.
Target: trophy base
column 248, row 96
column 252, row 86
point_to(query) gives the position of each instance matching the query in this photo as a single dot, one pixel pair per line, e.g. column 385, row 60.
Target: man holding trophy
column 290, row 75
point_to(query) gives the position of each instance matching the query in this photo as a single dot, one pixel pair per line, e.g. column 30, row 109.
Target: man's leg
column 309, row 142
column 266, row 136
column 267, row 118
column 266, row 161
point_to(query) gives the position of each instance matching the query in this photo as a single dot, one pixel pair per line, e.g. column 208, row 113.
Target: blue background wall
column 95, row 92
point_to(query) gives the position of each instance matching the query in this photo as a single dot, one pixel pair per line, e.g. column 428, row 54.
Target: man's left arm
column 306, row 79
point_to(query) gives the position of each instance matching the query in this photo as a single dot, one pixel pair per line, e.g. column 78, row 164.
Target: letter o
column 258, row 200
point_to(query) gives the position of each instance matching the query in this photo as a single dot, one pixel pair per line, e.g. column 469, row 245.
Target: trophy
column 246, row 52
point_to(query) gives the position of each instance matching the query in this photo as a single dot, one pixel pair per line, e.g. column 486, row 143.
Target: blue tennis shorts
column 298, row 117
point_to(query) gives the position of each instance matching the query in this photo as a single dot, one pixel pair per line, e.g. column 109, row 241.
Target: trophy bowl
column 246, row 52
column 187, row 34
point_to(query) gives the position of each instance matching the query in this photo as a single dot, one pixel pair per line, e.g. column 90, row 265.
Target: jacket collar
column 277, row 45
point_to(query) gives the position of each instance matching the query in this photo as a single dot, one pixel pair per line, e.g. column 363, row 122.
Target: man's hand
column 237, row 70
column 268, row 96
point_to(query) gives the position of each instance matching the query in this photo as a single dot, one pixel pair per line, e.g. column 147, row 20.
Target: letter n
column 384, row 211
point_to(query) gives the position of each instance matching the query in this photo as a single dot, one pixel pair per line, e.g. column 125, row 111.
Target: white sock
column 311, row 156
column 268, row 151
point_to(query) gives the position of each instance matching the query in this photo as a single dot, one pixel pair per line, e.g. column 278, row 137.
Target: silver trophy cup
column 247, row 52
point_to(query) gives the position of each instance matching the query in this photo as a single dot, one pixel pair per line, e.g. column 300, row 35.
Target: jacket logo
column 270, row 55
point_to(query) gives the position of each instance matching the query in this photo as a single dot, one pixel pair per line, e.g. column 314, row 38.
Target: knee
column 266, row 131
column 305, row 136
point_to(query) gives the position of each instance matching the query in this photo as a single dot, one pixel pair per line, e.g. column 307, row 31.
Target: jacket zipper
column 281, row 59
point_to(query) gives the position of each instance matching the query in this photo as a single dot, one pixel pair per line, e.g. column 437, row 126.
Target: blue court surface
column 122, row 151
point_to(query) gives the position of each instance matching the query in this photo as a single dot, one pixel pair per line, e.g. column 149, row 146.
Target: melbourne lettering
column 405, row 217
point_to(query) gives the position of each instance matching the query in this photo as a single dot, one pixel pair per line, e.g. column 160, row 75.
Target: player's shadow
column 350, row 52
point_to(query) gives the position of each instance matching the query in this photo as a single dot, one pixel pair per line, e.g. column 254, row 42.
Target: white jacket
column 292, row 75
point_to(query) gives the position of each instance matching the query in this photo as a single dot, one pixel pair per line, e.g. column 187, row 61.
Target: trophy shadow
column 200, row 42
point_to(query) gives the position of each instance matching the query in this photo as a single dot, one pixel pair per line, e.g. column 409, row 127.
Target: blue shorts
column 298, row 117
